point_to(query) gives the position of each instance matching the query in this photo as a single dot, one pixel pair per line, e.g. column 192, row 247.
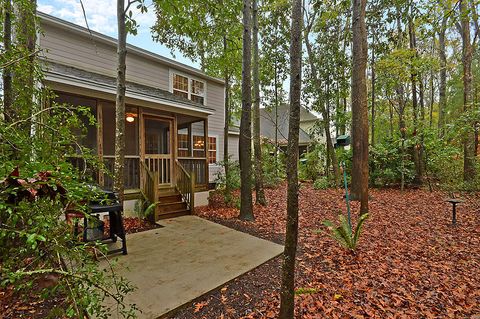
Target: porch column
column 205, row 134
column 190, row 141
column 174, row 150
column 141, row 146
column 101, row 174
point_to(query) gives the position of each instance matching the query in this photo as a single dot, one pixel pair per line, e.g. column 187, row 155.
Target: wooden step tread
column 160, row 204
column 173, row 214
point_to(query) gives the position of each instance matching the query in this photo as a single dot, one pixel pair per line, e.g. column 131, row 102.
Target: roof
column 305, row 115
column 267, row 126
column 58, row 73
column 45, row 18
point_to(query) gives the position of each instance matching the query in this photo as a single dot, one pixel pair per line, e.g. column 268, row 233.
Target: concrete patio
column 188, row 257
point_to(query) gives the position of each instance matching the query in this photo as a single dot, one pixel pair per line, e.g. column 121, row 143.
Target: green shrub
column 321, row 183
column 273, row 167
column 233, row 181
column 343, row 233
column 312, row 163
column 385, row 161
column 38, row 184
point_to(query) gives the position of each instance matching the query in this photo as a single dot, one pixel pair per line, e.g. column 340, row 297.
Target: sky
column 102, row 17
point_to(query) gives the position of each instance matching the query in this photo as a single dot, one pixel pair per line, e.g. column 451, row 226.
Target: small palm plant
column 343, row 233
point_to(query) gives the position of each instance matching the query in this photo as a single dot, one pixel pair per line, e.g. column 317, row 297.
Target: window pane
column 198, row 99
column 182, row 138
column 197, row 87
column 182, row 94
column 180, row 82
column 212, row 150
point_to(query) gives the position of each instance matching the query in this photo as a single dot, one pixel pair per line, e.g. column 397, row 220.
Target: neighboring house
column 268, row 123
column 174, row 112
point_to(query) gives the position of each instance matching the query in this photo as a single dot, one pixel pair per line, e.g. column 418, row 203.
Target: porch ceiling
column 76, row 77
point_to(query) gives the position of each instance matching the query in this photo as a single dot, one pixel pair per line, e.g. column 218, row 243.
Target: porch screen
column 88, row 137
column 183, row 143
column 132, row 155
column 198, row 139
column 131, row 130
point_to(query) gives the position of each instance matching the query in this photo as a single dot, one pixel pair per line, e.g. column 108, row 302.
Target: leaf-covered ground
column 411, row 263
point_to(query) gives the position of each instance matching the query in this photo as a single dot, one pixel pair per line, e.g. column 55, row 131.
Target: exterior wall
column 72, row 46
column 307, row 126
column 216, row 98
column 233, row 140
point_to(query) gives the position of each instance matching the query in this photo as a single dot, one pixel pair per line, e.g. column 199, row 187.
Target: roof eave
column 82, row 83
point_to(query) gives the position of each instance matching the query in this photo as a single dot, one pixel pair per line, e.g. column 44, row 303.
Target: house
column 174, row 114
column 269, row 124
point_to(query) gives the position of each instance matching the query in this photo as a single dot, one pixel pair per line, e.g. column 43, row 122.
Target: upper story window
column 188, row 88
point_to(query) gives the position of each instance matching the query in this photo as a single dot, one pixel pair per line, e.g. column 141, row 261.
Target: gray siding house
column 174, row 114
column 268, row 118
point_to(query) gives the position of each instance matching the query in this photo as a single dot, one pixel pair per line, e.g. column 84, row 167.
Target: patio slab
column 188, row 257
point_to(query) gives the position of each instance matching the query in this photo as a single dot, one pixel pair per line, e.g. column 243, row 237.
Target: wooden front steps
column 170, row 204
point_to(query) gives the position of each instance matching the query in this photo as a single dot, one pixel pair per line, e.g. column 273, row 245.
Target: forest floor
column 410, row 263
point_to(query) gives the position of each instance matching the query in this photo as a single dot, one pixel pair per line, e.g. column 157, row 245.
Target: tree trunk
column 277, row 171
column 421, row 149
column 331, row 155
column 260, row 193
column 400, row 91
column 442, row 103
column 226, row 158
column 245, row 141
column 359, row 106
column 413, row 77
column 7, row 73
column 287, row 291
column 118, row 182
column 23, row 85
column 469, row 138
column 432, row 92
column 373, row 92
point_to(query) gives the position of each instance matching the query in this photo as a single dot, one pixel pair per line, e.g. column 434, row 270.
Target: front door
column 158, row 147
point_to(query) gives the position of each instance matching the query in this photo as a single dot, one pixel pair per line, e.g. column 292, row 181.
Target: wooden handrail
column 185, row 184
column 179, row 165
column 149, row 185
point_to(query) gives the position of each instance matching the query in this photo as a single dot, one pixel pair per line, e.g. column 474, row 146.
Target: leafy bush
column 312, row 163
column 343, row 233
column 385, row 161
column 226, row 185
column 321, row 183
column 233, row 181
column 37, row 248
column 273, row 168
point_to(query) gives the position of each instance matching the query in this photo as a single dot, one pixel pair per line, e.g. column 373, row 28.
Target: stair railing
column 185, row 184
column 149, row 185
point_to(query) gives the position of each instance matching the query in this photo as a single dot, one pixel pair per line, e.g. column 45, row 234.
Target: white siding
column 76, row 50
column 233, row 140
column 215, row 100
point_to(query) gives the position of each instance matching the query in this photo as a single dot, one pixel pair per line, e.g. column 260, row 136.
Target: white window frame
column 190, row 78
column 216, row 149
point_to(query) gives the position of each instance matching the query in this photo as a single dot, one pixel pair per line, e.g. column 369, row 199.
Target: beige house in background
column 174, row 115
